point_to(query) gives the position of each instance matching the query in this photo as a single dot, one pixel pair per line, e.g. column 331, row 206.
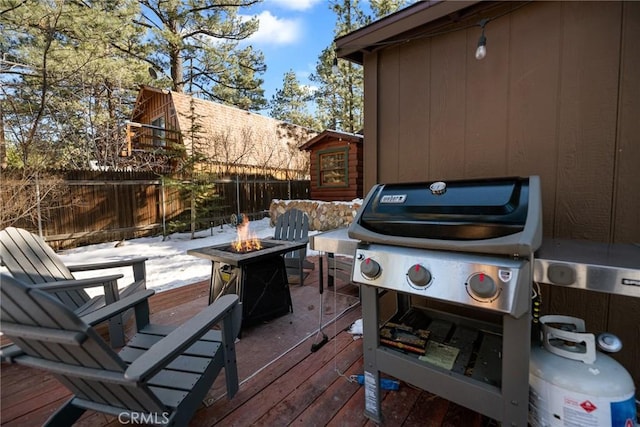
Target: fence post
column 38, row 207
column 238, row 195
column 164, row 209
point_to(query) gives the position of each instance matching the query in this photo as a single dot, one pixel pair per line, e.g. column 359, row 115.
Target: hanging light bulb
column 481, row 51
column 334, row 67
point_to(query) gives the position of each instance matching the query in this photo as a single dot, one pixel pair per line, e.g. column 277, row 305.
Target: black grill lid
column 498, row 215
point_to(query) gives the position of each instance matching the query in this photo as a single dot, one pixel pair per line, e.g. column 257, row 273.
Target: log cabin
column 335, row 165
column 166, row 125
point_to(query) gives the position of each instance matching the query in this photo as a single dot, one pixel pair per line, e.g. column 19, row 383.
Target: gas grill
column 459, row 256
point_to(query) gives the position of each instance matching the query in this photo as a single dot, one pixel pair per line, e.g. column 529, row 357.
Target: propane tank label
column 552, row 406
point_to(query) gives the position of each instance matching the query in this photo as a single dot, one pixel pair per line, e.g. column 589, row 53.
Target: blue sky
column 292, row 35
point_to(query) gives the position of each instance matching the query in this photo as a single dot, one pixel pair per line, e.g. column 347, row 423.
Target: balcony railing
column 149, row 138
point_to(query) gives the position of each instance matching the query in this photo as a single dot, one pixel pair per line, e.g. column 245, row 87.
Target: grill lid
column 498, row 215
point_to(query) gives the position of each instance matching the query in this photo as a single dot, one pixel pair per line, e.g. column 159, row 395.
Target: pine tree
column 290, row 104
column 340, row 94
column 381, row 8
column 340, row 97
column 197, row 185
column 63, row 91
column 198, row 41
column 65, row 83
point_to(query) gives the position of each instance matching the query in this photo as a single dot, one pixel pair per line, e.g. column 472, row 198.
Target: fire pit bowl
column 225, row 252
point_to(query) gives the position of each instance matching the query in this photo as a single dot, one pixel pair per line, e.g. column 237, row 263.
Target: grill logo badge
column 504, row 275
column 630, row 282
column 393, row 198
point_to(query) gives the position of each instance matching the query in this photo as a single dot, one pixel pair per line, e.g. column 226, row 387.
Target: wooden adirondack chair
column 30, row 260
column 160, row 377
column 293, row 225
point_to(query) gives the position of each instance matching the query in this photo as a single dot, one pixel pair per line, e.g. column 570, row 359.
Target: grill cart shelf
column 487, row 377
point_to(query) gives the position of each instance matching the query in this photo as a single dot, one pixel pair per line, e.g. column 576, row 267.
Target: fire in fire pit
column 246, row 241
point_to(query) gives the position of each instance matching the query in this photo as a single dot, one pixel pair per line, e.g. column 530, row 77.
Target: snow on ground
column 168, row 265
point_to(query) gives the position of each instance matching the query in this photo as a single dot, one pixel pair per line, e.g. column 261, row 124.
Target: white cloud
column 274, row 30
column 311, row 88
column 293, row 4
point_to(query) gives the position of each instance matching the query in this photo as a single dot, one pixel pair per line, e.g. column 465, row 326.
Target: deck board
column 295, row 386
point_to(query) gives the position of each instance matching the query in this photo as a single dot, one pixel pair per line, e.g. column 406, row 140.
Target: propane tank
column 573, row 385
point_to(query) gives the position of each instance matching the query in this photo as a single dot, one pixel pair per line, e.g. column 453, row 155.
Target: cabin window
column 159, row 135
column 333, row 167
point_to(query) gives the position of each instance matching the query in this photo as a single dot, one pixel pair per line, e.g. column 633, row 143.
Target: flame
column 246, row 241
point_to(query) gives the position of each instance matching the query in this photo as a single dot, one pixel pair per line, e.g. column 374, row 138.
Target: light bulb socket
column 482, row 41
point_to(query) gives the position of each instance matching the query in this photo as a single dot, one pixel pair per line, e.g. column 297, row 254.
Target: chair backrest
column 30, row 260
column 292, row 225
column 57, row 340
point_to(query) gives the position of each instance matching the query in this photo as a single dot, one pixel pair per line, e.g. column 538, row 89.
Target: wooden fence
column 96, row 206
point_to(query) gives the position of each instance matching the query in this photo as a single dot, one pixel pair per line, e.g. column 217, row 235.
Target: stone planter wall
column 323, row 216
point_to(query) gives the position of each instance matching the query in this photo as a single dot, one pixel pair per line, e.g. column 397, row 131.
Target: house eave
column 354, row 45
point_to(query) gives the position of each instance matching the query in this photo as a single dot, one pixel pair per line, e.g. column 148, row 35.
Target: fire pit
column 254, row 270
column 227, row 254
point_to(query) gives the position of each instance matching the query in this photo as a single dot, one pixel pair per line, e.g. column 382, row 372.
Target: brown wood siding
column 447, row 106
column 556, row 96
column 370, row 150
column 388, row 112
column 157, row 105
column 534, row 99
column 626, row 214
column 589, row 69
column 485, row 142
column 354, row 171
column 413, row 106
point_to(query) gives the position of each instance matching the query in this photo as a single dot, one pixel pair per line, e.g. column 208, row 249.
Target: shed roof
column 389, row 29
column 332, row 134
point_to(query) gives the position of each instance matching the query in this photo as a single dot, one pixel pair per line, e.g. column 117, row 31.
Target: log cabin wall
column 556, row 96
column 328, row 142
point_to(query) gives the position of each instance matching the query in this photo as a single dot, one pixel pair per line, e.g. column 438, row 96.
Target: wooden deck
column 282, row 381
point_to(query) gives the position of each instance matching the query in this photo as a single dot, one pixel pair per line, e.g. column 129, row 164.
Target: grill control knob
column 370, row 269
column 482, row 286
column 418, row 275
column 438, row 188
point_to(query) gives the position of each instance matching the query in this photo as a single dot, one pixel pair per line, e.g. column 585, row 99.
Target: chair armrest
column 9, row 352
column 302, row 240
column 107, row 264
column 138, row 265
column 171, row 346
column 137, row 300
column 109, row 283
column 90, row 282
